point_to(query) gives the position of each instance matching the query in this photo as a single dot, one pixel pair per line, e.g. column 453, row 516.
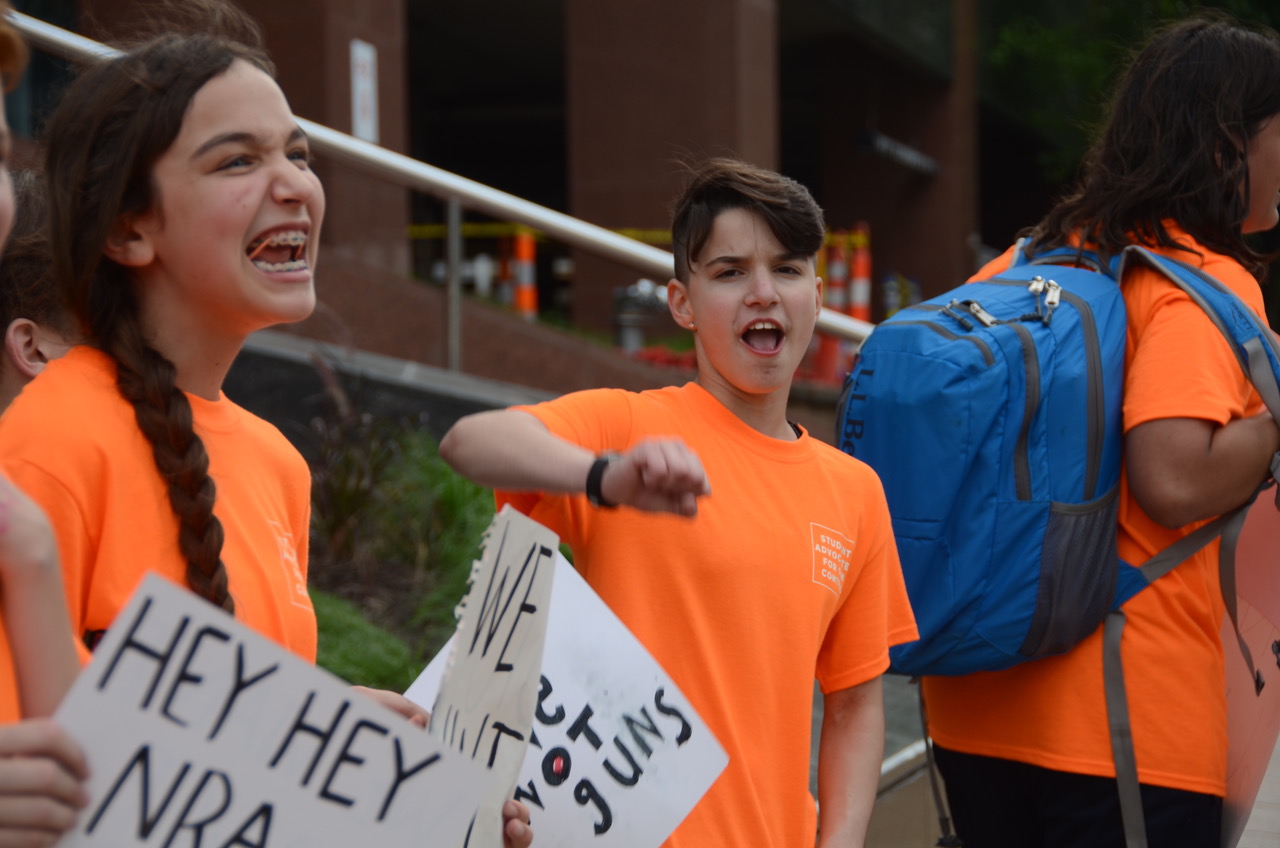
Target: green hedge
column 358, row 651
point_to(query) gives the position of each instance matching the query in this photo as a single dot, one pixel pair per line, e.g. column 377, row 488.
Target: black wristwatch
column 595, row 477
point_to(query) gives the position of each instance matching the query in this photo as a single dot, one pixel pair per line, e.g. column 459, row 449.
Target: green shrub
column 433, row 520
column 394, row 529
column 358, row 651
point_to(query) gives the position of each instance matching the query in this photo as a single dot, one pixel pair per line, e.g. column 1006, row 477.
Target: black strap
column 595, row 479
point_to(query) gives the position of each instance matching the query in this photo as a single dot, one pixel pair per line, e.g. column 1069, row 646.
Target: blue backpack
column 992, row 414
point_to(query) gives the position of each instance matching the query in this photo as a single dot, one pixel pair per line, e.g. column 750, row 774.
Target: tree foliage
column 1051, row 65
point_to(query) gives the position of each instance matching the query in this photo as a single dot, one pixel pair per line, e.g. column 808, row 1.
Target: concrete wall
column 650, row 84
column 921, row 225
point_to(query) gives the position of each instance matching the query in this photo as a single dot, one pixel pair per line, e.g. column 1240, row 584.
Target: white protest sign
column 618, row 757
column 484, row 708
column 201, row 732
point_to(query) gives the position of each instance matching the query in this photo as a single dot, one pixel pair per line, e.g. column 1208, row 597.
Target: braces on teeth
column 291, row 238
column 291, row 265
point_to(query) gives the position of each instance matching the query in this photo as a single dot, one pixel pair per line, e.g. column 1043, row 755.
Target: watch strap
column 595, row 480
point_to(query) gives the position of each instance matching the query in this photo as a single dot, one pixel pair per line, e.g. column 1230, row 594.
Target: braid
column 147, row 380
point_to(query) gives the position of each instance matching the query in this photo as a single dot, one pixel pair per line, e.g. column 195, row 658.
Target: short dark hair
column 1175, row 146
column 722, row 184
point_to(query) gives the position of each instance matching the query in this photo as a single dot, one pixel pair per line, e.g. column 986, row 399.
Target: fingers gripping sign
column 656, row 475
column 41, row 774
column 516, row 832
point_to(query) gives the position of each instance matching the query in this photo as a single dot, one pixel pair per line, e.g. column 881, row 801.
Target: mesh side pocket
column 1078, row 566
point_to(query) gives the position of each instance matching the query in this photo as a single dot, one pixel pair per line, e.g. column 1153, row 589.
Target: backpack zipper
column 1095, row 402
column 987, row 356
column 1021, row 458
column 1094, row 406
column 1031, row 368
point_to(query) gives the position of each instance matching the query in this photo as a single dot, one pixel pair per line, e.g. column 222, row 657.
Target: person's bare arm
column 849, row 755
column 33, row 604
column 1188, row 469
column 512, row 450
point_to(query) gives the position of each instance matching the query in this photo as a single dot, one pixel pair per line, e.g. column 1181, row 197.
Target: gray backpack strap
column 1262, row 377
column 1135, row 826
column 1257, row 366
column 1228, row 525
column 1165, row 561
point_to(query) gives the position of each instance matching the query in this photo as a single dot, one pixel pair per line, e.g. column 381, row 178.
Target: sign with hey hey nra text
column 200, row 732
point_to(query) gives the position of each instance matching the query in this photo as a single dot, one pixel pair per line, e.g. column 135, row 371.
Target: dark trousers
column 1005, row 804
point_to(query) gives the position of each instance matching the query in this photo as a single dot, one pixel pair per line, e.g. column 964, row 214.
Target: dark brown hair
column 1176, row 144
column 27, row 289
column 111, row 126
column 722, row 184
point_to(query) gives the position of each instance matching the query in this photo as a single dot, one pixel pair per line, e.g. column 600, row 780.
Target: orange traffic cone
column 860, row 283
column 526, row 299
column 835, row 297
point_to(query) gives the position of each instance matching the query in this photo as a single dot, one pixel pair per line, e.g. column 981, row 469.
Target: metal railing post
column 453, row 259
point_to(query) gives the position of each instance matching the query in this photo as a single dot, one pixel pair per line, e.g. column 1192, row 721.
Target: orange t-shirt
column 788, row 571
column 1052, row 712
column 72, row 443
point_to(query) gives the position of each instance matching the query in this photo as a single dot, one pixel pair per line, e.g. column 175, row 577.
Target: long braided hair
column 103, row 140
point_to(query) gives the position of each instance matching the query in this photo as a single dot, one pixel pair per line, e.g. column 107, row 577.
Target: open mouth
column 763, row 336
column 283, row 250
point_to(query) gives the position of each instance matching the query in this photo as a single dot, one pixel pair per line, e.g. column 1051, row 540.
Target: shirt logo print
column 289, row 559
column 832, row 557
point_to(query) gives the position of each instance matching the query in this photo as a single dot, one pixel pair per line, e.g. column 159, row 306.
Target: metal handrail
column 412, row 173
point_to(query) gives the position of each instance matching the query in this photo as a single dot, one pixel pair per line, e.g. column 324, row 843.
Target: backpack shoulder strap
column 1252, row 341
column 1255, row 348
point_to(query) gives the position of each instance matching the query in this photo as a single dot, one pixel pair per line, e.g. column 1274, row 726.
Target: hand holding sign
column 397, row 703
column 516, row 832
